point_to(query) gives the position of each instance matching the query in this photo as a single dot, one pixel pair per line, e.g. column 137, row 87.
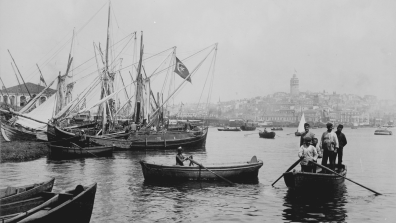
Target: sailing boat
column 300, row 125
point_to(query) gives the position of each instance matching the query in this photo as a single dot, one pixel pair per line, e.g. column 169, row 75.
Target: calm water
column 123, row 196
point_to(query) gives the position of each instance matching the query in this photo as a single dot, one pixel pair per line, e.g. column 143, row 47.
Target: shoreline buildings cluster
column 285, row 108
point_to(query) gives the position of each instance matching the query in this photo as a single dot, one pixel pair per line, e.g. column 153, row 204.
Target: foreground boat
column 267, row 135
column 11, row 133
column 236, row 172
column 14, row 194
column 62, row 152
column 317, row 181
column 72, row 206
column 382, row 132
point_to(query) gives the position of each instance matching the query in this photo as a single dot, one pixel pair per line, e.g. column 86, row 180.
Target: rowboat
column 13, row 194
column 382, row 132
column 72, row 206
column 243, row 171
column 227, row 129
column 73, row 151
column 267, row 135
column 11, row 133
column 248, row 128
column 277, row 129
column 318, row 181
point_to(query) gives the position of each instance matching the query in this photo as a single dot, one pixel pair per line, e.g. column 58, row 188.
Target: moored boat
column 62, row 152
column 72, row 206
column 277, row 129
column 267, row 135
column 13, row 194
column 12, row 133
column 382, row 132
column 244, row 171
column 305, row 180
column 229, row 129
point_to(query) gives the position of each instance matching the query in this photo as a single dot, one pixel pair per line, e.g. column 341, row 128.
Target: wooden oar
column 83, row 149
column 291, row 167
column 250, row 134
column 345, row 177
column 210, row 171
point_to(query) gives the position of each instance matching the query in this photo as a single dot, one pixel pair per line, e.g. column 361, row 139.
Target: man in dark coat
column 342, row 141
column 305, row 134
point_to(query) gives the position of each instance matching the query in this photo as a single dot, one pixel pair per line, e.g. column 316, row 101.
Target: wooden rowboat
column 267, row 135
column 382, row 132
column 13, row 194
column 72, row 206
column 63, row 152
column 317, row 181
column 236, row 172
column 277, row 129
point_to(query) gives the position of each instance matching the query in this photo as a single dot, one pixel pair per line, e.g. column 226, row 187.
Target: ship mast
column 105, row 87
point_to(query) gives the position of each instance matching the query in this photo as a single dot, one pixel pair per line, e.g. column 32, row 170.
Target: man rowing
column 180, row 158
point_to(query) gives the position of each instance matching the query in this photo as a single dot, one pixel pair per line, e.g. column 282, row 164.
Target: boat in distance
column 71, row 206
column 277, row 129
column 267, row 135
column 228, row 129
column 382, row 132
column 306, row 180
column 243, row 171
column 14, row 194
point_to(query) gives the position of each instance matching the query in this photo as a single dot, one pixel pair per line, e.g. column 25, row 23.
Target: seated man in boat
column 304, row 134
column 309, row 153
column 180, row 158
column 265, row 130
column 83, row 138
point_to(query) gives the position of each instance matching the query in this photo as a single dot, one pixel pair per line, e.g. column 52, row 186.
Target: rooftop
column 33, row 89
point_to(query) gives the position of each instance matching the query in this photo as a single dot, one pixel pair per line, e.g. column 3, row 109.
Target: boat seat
column 253, row 160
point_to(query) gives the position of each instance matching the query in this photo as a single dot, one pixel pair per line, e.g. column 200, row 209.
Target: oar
column 345, row 177
column 250, row 134
column 291, row 167
column 210, row 171
column 83, row 149
column 290, row 133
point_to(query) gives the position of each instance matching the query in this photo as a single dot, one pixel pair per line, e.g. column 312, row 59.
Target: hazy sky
column 342, row 46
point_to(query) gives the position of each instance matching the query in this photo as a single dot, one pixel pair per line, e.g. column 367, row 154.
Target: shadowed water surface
column 123, row 196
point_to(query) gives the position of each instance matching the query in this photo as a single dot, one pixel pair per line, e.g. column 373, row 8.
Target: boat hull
column 30, row 191
column 304, row 180
column 168, row 140
column 248, row 128
column 229, row 130
column 72, row 208
column 61, row 152
column 267, row 135
column 242, row 172
column 277, row 129
column 11, row 133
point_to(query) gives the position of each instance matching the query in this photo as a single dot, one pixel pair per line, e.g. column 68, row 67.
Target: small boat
column 77, row 152
column 277, row 129
column 267, row 135
column 228, row 129
column 13, row 194
column 72, row 206
column 305, row 180
column 244, row 171
column 382, row 132
column 249, row 126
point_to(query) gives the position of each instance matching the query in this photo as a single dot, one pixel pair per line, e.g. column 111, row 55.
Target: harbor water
column 124, row 196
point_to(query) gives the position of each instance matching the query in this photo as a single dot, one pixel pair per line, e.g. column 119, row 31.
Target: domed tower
column 294, row 83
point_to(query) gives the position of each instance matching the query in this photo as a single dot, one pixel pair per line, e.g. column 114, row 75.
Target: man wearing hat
column 309, row 153
column 329, row 144
column 180, row 158
column 342, row 141
column 304, row 134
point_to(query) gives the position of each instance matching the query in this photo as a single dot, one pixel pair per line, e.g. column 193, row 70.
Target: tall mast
column 19, row 83
column 105, row 76
column 20, row 74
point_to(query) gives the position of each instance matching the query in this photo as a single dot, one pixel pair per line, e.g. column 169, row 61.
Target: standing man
column 342, row 141
column 304, row 134
column 329, row 144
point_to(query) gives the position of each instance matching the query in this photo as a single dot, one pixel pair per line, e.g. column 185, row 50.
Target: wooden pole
column 291, row 167
column 210, row 171
column 317, row 164
column 14, row 113
column 20, row 74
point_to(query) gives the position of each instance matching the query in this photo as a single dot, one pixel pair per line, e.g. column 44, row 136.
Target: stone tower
column 294, row 83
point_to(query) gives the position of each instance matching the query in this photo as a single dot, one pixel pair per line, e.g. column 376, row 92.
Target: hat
column 306, row 124
column 82, row 130
column 179, row 148
column 340, row 126
column 329, row 125
column 307, row 139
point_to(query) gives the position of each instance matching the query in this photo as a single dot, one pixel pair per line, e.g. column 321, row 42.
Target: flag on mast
column 42, row 80
column 182, row 70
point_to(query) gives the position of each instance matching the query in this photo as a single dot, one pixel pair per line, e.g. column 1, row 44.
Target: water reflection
column 322, row 206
